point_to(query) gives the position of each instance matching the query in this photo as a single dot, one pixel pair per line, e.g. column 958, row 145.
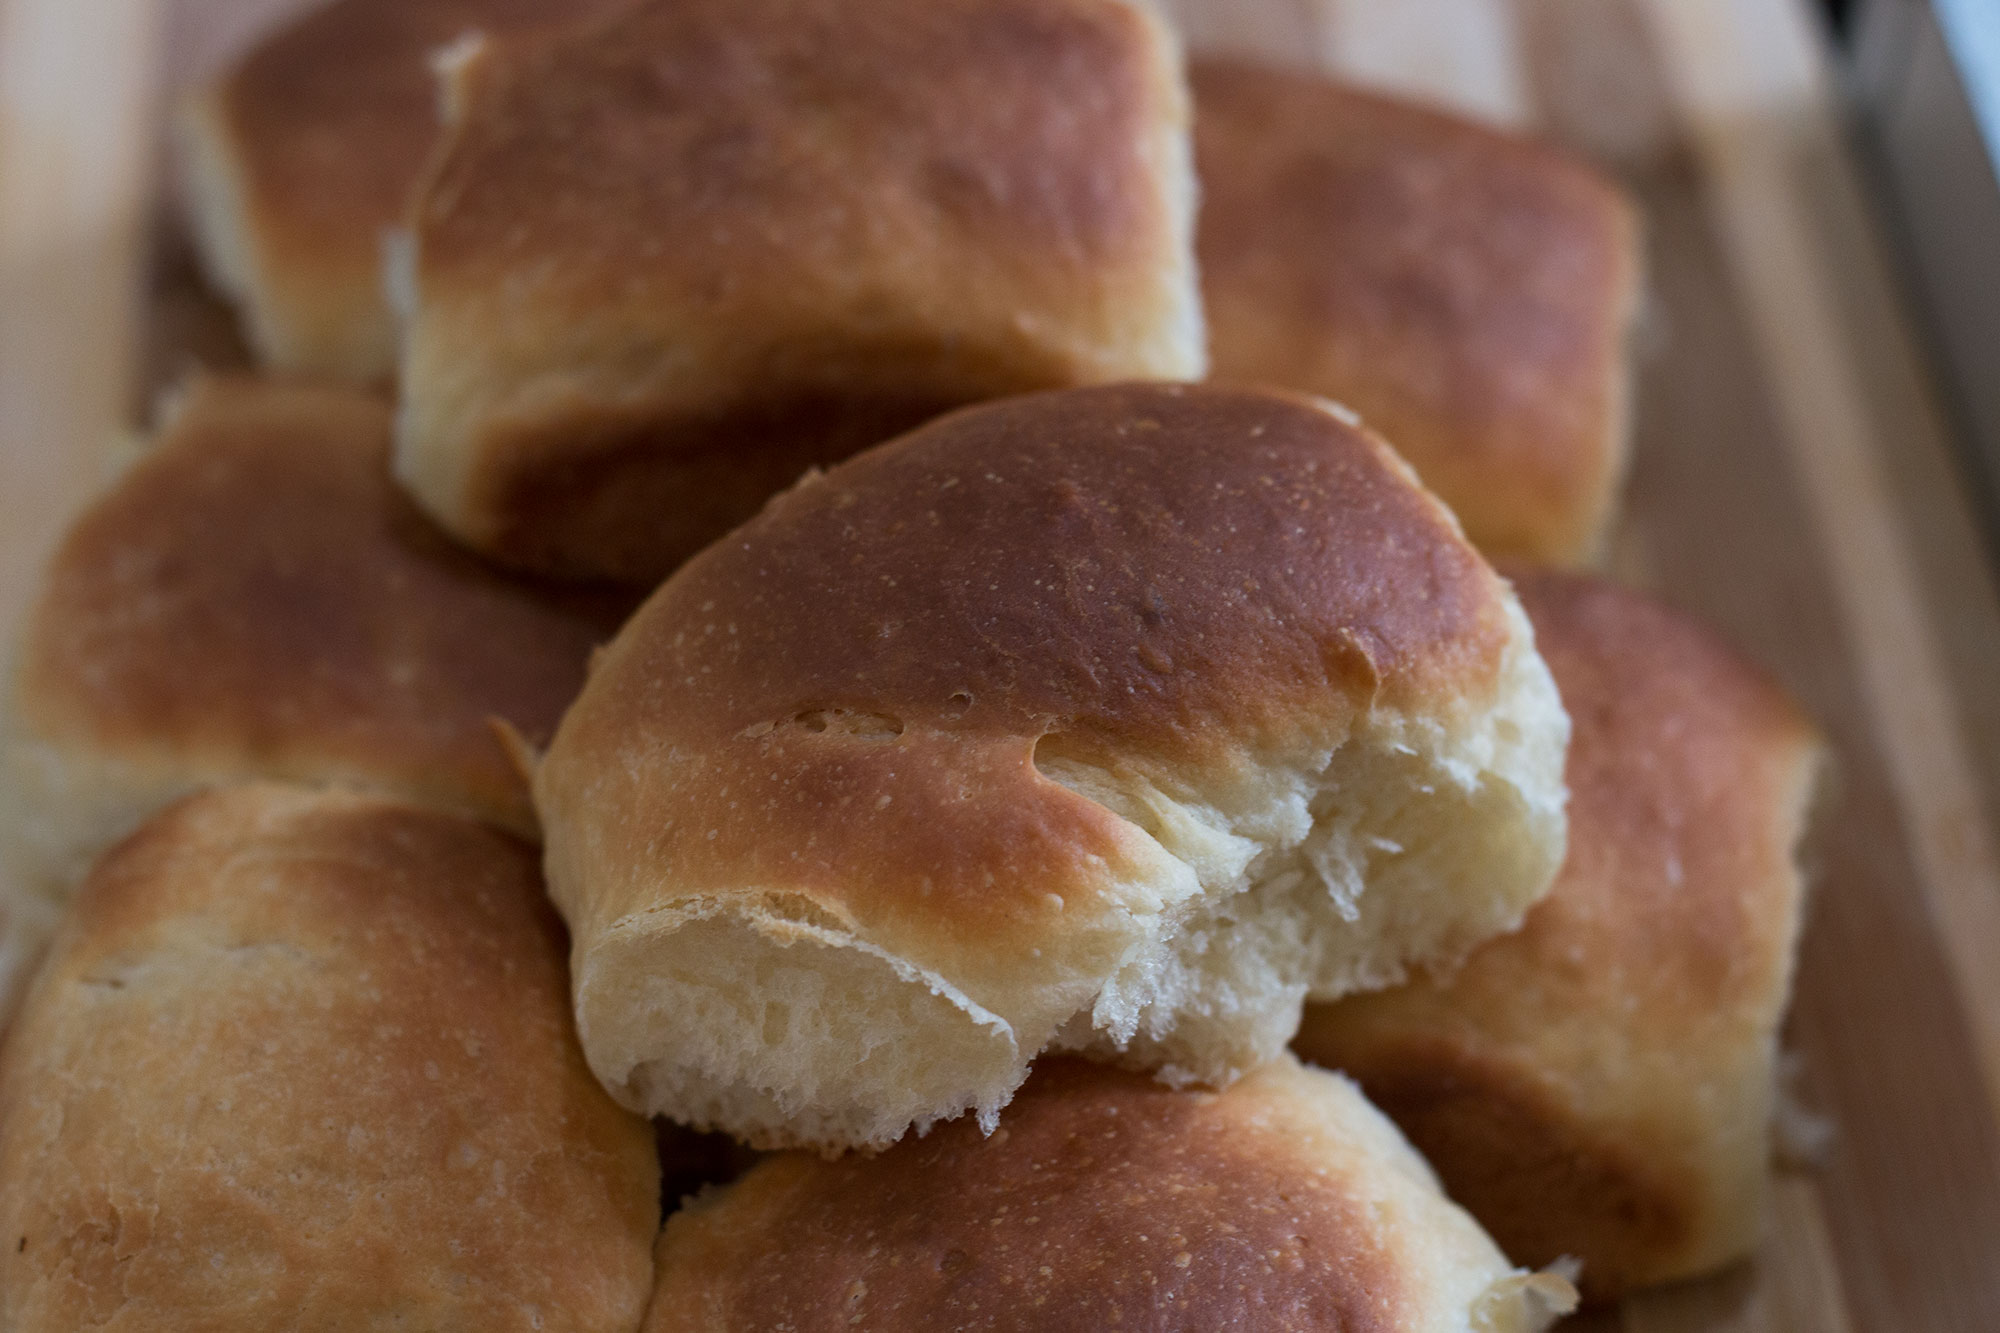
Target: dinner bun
column 664, row 264
column 1105, row 1201
column 255, row 598
column 297, row 159
column 305, row 1061
column 1601, row 1084
column 1111, row 719
column 1468, row 292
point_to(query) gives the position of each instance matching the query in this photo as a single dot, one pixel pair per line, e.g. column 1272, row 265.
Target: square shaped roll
column 662, row 265
column 1468, row 292
column 1115, row 719
column 305, row 1061
column 1601, row 1084
column 298, row 159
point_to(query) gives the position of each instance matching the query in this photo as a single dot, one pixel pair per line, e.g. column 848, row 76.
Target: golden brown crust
column 1098, row 719
column 1599, row 1083
column 326, row 126
column 306, row 1061
column 777, row 231
column 256, row 598
column 1103, row 1201
column 1468, row 292
column 1144, row 575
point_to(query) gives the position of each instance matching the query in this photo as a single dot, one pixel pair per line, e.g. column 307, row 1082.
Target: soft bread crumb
column 801, row 990
column 1051, row 726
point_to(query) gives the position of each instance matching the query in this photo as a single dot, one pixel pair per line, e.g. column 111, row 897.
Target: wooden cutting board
column 1793, row 484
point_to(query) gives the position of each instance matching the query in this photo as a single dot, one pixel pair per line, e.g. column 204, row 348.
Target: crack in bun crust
column 1469, row 292
column 1131, row 716
column 666, row 262
column 1106, row 1201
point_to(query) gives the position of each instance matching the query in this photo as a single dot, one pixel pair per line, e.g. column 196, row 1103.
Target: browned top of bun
column 720, row 154
column 333, row 116
column 664, row 264
column 1135, row 575
column 304, row 1060
column 1103, row 1200
column 1467, row 291
column 255, row 597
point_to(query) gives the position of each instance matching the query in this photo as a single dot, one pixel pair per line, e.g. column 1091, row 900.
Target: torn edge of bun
column 1529, row 1302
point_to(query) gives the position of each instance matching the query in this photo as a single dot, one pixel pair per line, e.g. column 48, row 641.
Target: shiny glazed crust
column 305, row 1061
column 1100, row 717
column 664, row 265
column 1601, row 1084
column 1468, row 292
column 1105, row 1201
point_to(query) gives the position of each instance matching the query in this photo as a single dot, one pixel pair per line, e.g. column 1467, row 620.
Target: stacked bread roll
column 1018, row 747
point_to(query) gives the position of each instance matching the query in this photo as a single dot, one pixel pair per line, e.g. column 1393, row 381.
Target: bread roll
column 298, row 158
column 663, row 266
column 304, row 1061
column 1105, row 1201
column 1601, row 1084
column 1468, row 292
column 1110, row 719
column 255, row 598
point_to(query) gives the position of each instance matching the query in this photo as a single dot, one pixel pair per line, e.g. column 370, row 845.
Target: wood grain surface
column 1794, row 483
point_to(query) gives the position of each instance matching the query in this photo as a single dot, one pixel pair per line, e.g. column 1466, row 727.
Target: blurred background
column 1924, row 77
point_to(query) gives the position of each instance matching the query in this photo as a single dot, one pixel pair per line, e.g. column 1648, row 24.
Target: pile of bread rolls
column 729, row 736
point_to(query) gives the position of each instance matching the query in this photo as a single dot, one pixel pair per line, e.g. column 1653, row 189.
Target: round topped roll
column 1601, row 1084
column 663, row 264
column 1105, row 1201
column 1113, row 719
column 297, row 159
column 305, row 1060
column 255, row 598
column 1469, row 292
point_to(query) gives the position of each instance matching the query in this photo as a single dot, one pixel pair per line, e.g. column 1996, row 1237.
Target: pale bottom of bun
column 763, row 1015
column 27, row 923
column 59, row 810
column 216, row 206
column 56, row 816
column 36, row 860
column 62, row 806
column 310, row 315
column 786, row 1033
